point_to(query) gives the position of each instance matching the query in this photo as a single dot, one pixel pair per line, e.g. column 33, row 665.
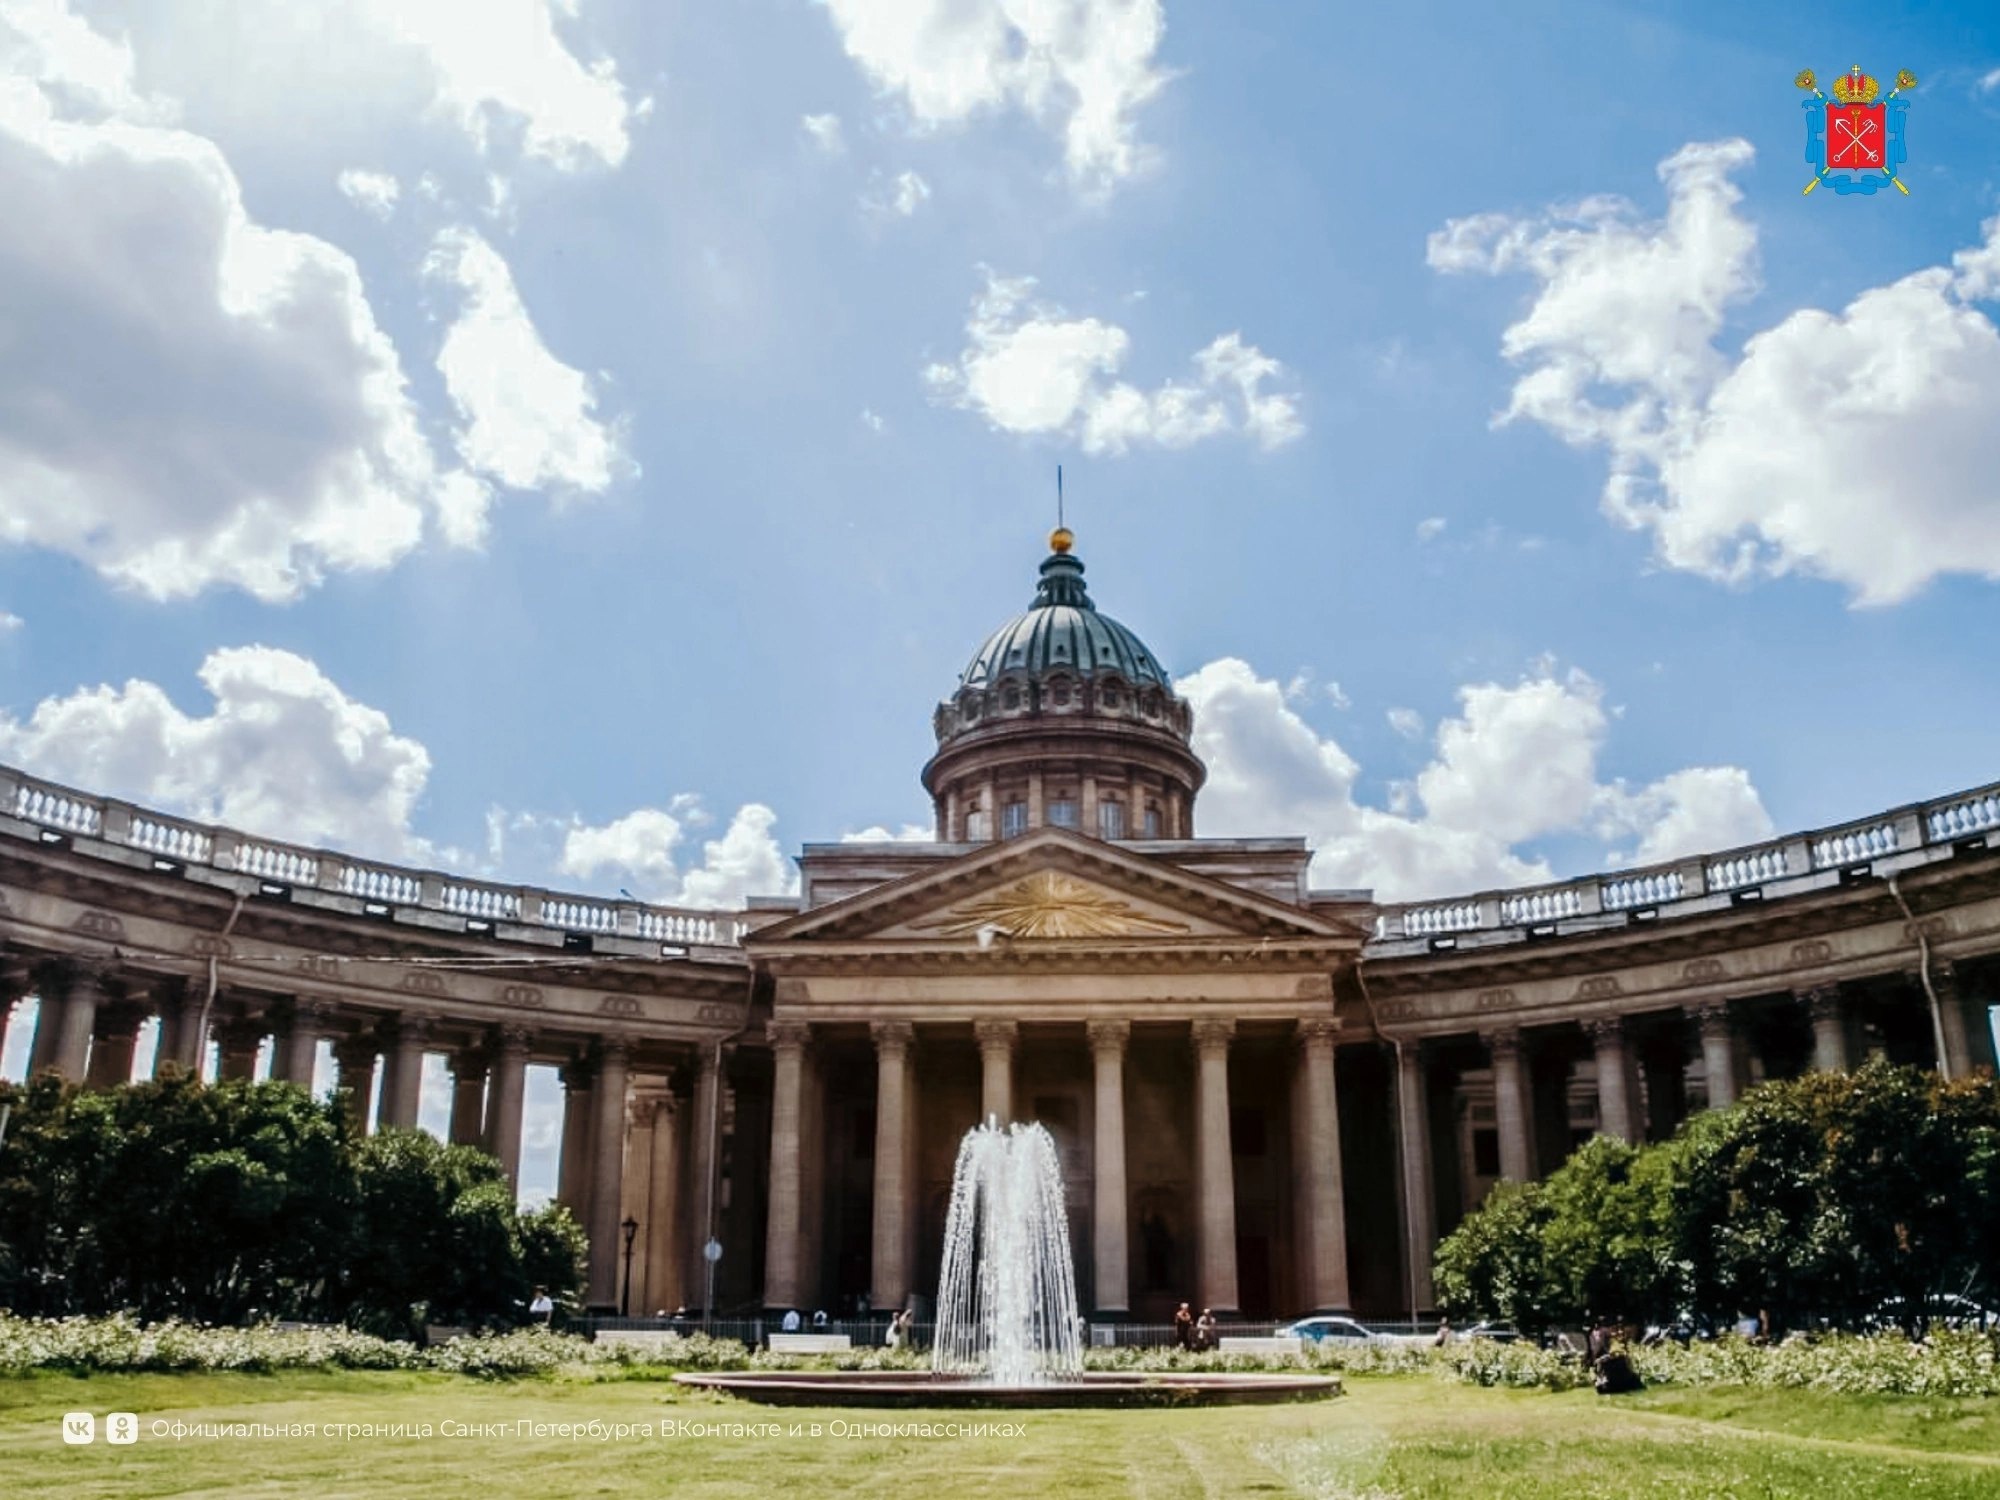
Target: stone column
column 890, row 1281
column 181, row 1038
column 503, row 1117
column 403, row 1083
column 1511, row 1111
column 1087, row 805
column 783, row 1222
column 298, row 1052
column 954, row 818
column 237, row 1042
column 1614, row 1093
column 704, row 1132
column 1829, row 1025
column 1108, row 1041
column 996, row 1068
column 1956, row 1059
column 990, row 798
column 50, row 986
column 112, row 1044
column 1325, row 1207
column 81, row 985
column 663, row 1209
column 469, row 1068
column 1215, row 1169
column 1718, row 1052
column 354, row 1061
column 1419, row 1192
column 573, row 1177
column 608, row 1168
column 1037, row 800
column 1176, row 814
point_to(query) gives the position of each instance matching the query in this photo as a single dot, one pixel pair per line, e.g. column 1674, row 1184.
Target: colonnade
column 894, row 1208
column 91, row 1011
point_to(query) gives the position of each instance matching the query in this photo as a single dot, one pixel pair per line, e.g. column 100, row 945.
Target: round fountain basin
column 916, row 1388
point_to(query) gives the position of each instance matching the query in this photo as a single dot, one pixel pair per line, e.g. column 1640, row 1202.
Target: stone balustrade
column 1913, row 834
column 63, row 812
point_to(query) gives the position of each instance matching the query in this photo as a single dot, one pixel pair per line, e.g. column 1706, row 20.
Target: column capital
column 1318, row 1033
column 318, row 1014
column 516, row 1038
column 1822, row 1001
column 1714, row 1018
column 353, row 1051
column 1109, row 1036
column 119, row 1022
column 1502, row 1042
column 409, row 1026
column 1944, row 978
column 784, row 1035
column 613, row 1049
column 892, row 1037
column 70, row 969
column 1211, row 1034
column 469, row 1062
column 1605, row 1030
column 997, row 1036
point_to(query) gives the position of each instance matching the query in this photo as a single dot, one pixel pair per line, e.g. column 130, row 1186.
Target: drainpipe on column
column 1403, row 1146
column 1924, row 975
column 208, row 1000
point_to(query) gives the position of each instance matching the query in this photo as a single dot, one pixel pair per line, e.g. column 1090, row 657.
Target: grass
column 1388, row 1437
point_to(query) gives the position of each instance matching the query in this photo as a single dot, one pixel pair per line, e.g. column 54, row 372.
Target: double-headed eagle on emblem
column 1855, row 142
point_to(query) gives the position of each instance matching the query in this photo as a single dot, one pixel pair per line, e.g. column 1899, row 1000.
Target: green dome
column 1062, row 631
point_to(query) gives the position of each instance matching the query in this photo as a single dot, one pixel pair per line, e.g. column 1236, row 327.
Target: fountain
column 1008, row 1328
column 1006, row 1308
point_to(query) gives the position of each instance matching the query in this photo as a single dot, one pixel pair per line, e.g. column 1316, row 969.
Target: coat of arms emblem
column 1854, row 140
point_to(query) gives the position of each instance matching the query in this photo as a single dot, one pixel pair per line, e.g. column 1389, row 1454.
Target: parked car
column 1320, row 1330
column 1499, row 1333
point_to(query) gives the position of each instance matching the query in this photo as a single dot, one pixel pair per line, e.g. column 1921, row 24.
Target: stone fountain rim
column 1094, row 1388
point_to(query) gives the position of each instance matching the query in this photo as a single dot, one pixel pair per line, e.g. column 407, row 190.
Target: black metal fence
column 867, row 1333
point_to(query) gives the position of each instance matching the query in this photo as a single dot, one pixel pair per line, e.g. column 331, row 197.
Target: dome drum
column 1064, row 718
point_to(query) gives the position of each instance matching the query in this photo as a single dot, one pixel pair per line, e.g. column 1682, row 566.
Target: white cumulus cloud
column 211, row 401
column 282, row 751
column 525, row 418
column 1081, row 68
column 1031, row 368
column 643, row 848
column 901, row 195
column 879, row 833
column 1516, row 763
column 824, row 131
column 1857, row 446
column 374, row 193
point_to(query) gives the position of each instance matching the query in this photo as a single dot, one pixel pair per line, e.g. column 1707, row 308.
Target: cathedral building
column 1268, row 1099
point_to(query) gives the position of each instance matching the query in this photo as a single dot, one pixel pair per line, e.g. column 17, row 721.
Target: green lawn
column 1408, row 1437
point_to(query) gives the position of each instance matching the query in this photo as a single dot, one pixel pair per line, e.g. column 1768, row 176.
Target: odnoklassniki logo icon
column 1854, row 142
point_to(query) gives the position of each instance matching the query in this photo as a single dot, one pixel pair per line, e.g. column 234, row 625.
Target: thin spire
column 1059, row 500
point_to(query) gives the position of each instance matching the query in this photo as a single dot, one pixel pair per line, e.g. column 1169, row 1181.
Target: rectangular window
column 1111, row 819
column 1152, row 822
column 1062, row 814
column 1013, row 820
column 975, row 826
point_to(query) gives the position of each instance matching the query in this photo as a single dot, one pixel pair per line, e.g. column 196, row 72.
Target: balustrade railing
column 66, row 811
column 1944, row 821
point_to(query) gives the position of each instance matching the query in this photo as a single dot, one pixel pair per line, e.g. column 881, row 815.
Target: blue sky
column 610, row 506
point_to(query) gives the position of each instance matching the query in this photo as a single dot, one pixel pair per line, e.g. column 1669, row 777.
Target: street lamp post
column 631, row 1228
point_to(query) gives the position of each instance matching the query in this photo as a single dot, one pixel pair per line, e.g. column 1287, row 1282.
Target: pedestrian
column 790, row 1322
column 541, row 1307
column 1184, row 1328
column 1204, row 1330
column 1443, row 1333
column 906, row 1327
column 819, row 1320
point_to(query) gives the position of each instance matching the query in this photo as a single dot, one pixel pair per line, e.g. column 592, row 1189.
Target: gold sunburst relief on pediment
column 1051, row 904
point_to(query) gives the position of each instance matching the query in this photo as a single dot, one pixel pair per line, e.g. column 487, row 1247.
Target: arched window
column 1111, row 818
column 1107, row 696
column 977, row 825
column 1013, row 820
column 1010, row 697
column 1059, row 692
column 1152, row 820
column 1062, row 810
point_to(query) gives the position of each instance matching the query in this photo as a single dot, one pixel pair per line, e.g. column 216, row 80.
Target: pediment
column 1050, row 887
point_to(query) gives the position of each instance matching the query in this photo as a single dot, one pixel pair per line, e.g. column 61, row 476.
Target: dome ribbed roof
column 1063, row 631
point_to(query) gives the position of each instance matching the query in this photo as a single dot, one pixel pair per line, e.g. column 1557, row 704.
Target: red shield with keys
column 1855, row 137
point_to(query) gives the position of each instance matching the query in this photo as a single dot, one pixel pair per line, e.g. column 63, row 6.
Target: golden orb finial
column 1061, row 539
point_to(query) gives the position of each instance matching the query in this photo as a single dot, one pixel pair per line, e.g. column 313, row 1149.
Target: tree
column 1495, row 1264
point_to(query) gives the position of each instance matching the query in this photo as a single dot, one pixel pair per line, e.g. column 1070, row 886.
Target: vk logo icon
column 79, row 1427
